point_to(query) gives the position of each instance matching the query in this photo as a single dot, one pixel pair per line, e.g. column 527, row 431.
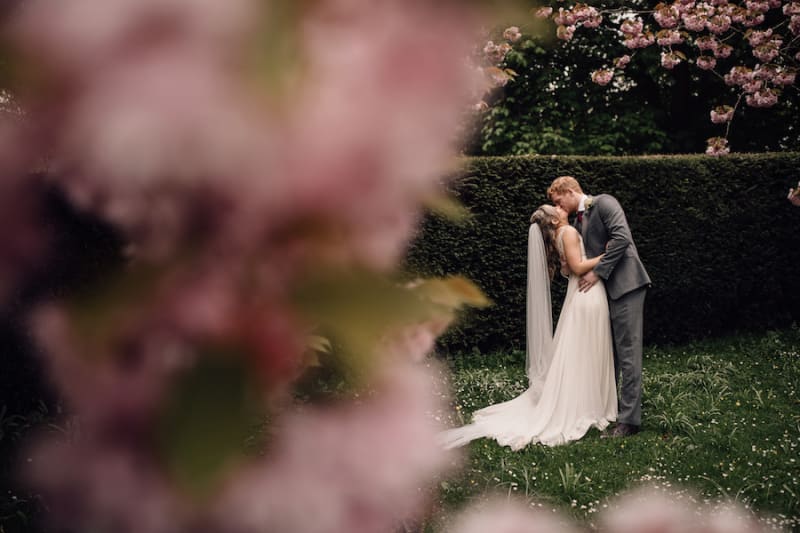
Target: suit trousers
column 627, row 320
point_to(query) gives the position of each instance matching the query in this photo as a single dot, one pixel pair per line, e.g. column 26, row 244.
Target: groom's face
column 568, row 200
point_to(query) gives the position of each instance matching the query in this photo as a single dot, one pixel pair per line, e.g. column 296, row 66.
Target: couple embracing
column 597, row 347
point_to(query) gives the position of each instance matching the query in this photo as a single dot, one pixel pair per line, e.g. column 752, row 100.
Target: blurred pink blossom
column 544, row 12
column 622, row 61
column 503, row 516
column 100, row 34
column 347, row 468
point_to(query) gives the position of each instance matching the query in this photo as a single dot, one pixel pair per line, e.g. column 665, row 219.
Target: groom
column 602, row 223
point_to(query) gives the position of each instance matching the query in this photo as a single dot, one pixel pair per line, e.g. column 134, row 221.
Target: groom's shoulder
column 606, row 200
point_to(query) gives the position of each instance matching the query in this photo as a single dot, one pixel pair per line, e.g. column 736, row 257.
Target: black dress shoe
column 625, row 430
column 622, row 430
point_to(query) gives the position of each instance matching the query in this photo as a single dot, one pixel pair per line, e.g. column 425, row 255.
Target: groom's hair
column 563, row 184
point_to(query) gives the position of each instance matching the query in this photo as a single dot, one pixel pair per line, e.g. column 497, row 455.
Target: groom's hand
column 587, row 281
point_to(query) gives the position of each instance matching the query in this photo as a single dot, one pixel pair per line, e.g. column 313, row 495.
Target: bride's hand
column 587, row 281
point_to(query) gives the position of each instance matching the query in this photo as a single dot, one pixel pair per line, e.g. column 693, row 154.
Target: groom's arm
column 619, row 233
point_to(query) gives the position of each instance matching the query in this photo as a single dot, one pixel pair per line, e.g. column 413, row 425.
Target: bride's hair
column 546, row 218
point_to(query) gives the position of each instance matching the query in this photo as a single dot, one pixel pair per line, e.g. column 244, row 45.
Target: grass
column 721, row 421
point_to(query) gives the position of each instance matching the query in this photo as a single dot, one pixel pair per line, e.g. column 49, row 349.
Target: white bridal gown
column 578, row 391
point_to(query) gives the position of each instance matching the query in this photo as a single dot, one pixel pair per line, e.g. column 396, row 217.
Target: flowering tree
column 753, row 46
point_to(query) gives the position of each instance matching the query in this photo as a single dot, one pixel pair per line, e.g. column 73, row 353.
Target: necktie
column 580, row 217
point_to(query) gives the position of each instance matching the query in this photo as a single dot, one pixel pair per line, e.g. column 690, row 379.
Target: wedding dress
column 571, row 374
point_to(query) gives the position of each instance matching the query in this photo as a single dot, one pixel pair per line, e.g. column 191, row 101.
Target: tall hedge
column 717, row 235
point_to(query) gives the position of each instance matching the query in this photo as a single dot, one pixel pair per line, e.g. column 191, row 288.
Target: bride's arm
column 572, row 251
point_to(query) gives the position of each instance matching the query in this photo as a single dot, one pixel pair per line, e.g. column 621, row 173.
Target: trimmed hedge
column 717, row 236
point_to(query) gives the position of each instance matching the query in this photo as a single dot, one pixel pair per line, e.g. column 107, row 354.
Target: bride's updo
column 546, row 218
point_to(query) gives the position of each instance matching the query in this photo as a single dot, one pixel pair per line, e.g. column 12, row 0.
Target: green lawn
column 721, row 420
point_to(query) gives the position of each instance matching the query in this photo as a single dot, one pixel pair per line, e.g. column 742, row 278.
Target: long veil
column 539, row 314
column 505, row 421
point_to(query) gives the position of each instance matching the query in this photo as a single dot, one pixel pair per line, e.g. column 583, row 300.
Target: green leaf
column 206, row 420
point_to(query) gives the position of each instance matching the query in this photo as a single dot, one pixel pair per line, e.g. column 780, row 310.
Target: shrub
column 717, row 236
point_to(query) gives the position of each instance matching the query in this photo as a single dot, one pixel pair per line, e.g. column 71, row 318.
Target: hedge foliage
column 717, row 235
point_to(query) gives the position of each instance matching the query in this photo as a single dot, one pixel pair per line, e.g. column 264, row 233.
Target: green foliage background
column 552, row 107
column 717, row 236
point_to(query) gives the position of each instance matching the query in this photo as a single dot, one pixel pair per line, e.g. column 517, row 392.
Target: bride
column 571, row 375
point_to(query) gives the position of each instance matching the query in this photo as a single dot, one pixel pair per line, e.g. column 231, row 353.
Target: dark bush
column 717, row 235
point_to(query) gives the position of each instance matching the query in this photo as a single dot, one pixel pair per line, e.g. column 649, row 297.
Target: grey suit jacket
column 604, row 222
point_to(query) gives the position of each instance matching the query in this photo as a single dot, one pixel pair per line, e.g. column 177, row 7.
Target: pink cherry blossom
column 766, row 73
column 762, row 98
column 752, row 86
column 544, row 12
column 766, row 52
column 565, row 17
column 717, row 146
column 694, row 22
column 706, row 42
column 669, row 60
column 667, row 16
column 602, row 76
column 622, row 61
column 668, row 37
column 706, row 62
column 593, row 21
column 512, row 34
column 760, row 6
column 791, row 8
column 565, row 33
column 739, row 75
column 759, row 37
column 718, row 24
column 639, row 41
column 785, row 77
column 495, row 53
column 723, row 50
column 631, row 27
column 722, row 114
column 752, row 19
